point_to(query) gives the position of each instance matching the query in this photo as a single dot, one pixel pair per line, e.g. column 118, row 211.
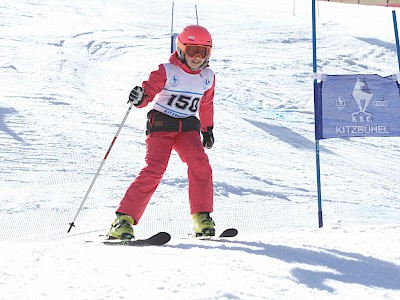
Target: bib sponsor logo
column 206, row 83
column 174, row 81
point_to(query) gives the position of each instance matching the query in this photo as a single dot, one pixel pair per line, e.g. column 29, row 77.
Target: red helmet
column 195, row 35
column 194, row 40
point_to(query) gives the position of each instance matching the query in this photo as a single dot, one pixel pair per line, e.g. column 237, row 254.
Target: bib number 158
column 183, row 102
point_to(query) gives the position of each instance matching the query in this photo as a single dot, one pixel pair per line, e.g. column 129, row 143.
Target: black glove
column 208, row 138
column 136, row 96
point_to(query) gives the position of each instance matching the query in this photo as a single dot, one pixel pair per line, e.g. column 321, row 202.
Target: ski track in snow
column 66, row 70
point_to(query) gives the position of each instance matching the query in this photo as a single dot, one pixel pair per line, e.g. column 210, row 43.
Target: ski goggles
column 196, row 50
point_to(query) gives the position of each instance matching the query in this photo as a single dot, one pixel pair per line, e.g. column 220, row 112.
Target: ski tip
column 165, row 236
column 230, row 232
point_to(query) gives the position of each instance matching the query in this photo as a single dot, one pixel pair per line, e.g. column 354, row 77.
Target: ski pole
column 72, row 224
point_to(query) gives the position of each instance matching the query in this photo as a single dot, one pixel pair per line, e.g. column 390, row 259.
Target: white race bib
column 181, row 96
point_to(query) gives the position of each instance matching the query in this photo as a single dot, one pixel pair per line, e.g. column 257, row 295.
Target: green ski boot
column 203, row 224
column 121, row 228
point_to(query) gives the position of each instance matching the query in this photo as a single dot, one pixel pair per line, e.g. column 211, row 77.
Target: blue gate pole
column 396, row 34
column 314, row 46
column 173, row 36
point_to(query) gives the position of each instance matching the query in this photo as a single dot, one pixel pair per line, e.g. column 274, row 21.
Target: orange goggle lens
column 194, row 50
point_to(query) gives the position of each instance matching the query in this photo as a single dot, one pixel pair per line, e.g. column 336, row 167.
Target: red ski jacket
column 156, row 82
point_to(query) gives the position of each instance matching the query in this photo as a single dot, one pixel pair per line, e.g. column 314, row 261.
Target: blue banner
column 357, row 106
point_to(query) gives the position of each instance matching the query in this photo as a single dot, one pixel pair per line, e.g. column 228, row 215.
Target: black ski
column 227, row 233
column 231, row 232
column 158, row 239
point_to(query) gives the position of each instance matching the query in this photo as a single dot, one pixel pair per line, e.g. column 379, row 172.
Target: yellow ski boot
column 122, row 228
column 203, row 224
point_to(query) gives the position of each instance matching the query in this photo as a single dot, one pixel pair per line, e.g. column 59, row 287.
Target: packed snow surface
column 66, row 70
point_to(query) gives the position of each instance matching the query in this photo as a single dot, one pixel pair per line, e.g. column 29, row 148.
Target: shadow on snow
column 288, row 136
column 345, row 267
column 3, row 125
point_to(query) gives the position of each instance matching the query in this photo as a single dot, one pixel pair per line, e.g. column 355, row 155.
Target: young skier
column 179, row 90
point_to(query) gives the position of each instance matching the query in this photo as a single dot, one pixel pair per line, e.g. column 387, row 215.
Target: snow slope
column 66, row 70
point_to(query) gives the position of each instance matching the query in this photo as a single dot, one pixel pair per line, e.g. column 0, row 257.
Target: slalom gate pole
column 172, row 30
column 396, row 34
column 197, row 17
column 72, row 224
column 294, row 7
column 314, row 41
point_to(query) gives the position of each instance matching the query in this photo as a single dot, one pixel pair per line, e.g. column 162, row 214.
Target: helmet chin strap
column 204, row 64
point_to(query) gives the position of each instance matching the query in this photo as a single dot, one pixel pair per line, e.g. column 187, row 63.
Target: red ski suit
column 159, row 145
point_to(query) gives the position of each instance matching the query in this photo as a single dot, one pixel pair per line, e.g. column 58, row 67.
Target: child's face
column 194, row 62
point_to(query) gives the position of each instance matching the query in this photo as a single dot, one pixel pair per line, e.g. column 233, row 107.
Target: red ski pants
column 158, row 151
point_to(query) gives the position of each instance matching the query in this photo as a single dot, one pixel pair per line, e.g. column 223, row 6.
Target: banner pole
column 396, row 34
column 314, row 42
